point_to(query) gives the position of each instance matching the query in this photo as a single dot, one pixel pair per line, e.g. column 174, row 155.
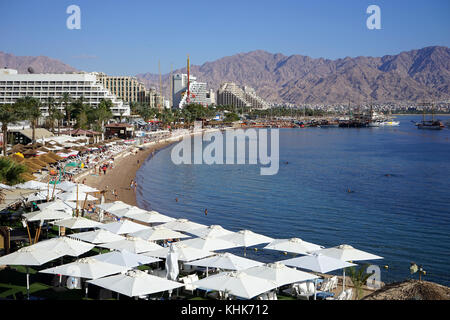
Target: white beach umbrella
column 65, row 246
column 65, row 185
column 125, row 258
column 97, row 236
column 58, row 205
column 317, row 262
column 226, row 261
column 280, row 274
column 149, row 217
column 293, row 245
column 246, row 238
column 29, row 256
column 209, row 244
column 132, row 244
column 185, row 253
column 126, row 211
column 346, row 252
column 78, row 223
column 182, row 225
column 47, row 214
column 158, row 233
column 81, row 188
column 32, row 184
column 136, row 283
column 86, row 268
column 172, row 270
column 73, row 196
column 210, row 231
column 41, row 195
column 123, row 226
column 110, row 206
column 237, row 283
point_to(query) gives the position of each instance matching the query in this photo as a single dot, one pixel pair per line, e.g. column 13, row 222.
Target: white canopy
column 132, row 244
column 210, row 231
column 97, row 236
column 123, row 226
column 65, row 246
column 149, row 217
column 125, row 258
column 183, row 225
column 58, row 205
column 81, row 188
column 86, row 268
column 47, row 214
column 226, row 261
column 209, row 244
column 72, row 196
column 158, row 233
column 246, row 238
column 293, row 245
column 126, row 211
column 185, row 253
column 29, row 256
column 113, row 206
column 78, row 223
column 136, row 283
column 317, row 262
column 65, row 185
column 4, row 186
column 280, row 274
column 237, row 283
column 32, row 184
column 346, row 252
column 41, row 195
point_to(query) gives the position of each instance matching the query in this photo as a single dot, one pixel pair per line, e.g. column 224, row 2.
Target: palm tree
column 8, row 114
column 59, row 116
column 10, row 171
column 66, row 100
column 359, row 278
column 52, row 112
column 30, row 108
column 103, row 113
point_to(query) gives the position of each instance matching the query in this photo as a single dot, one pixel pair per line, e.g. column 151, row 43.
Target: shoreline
column 125, row 169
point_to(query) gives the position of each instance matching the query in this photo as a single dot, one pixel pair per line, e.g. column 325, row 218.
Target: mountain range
column 415, row 76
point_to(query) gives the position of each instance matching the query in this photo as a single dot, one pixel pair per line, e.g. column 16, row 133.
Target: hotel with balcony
column 198, row 92
column 45, row 85
column 231, row 94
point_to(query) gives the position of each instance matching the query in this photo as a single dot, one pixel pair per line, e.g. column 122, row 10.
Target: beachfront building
column 198, row 91
column 120, row 130
column 53, row 85
column 25, row 136
column 231, row 94
column 129, row 89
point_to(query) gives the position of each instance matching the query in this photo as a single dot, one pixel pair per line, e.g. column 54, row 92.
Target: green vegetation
column 359, row 278
column 10, row 171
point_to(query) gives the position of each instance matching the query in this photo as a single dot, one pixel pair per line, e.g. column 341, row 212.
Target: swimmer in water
column 206, row 212
column 176, row 199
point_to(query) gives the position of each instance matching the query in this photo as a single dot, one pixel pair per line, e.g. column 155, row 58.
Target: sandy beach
column 120, row 176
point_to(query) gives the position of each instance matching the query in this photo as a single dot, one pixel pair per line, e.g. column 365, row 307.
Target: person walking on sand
column 131, row 184
column 135, row 186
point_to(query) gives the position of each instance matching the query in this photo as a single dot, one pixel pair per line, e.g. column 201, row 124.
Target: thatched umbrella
column 411, row 290
column 39, row 162
column 27, row 177
column 30, row 152
column 17, row 158
column 47, row 159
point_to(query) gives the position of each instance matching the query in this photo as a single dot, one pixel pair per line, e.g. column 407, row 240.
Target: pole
column 76, row 206
column 343, row 281
column 29, row 235
column 28, row 284
column 315, row 289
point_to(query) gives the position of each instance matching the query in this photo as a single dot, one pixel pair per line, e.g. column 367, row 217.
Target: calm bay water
column 403, row 217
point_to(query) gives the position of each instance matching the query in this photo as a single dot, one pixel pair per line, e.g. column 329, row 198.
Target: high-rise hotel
column 45, row 85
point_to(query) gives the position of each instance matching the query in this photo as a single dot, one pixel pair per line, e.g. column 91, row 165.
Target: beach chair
column 302, row 291
column 272, row 295
column 334, row 282
column 188, row 286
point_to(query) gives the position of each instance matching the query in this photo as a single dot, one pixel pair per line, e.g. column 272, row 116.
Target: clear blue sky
column 129, row 37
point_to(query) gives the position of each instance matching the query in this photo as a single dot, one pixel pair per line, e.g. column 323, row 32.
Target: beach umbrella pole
column 206, row 271
column 343, row 280
column 28, row 284
column 315, row 289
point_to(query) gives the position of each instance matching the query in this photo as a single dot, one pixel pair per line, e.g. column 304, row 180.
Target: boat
column 430, row 124
column 390, row 123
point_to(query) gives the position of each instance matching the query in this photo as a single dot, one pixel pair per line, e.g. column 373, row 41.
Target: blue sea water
column 404, row 217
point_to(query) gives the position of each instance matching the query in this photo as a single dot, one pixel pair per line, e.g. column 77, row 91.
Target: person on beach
column 104, row 170
column 131, row 184
column 135, row 186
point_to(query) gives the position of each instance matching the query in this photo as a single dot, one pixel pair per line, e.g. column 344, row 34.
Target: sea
column 383, row 190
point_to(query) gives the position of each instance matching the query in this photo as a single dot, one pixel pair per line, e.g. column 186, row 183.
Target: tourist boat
column 430, row 125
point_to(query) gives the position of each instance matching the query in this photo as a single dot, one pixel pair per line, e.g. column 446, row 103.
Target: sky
column 121, row 37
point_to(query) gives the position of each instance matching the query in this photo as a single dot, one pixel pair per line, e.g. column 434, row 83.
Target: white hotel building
column 44, row 85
